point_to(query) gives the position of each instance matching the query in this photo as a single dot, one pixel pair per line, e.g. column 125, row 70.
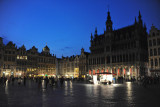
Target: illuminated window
column 22, row 57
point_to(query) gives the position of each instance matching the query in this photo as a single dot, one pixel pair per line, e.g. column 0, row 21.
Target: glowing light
column 93, row 72
column 131, row 71
column 89, row 72
column 102, row 71
column 107, row 70
column 98, row 71
column 109, row 78
column 95, row 79
column 118, row 71
column 124, row 71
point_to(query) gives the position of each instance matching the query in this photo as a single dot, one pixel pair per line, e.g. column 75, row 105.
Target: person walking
column 39, row 82
column 46, row 81
column 19, row 80
column 24, row 81
column 61, row 81
column 52, row 81
column 12, row 80
column 56, row 81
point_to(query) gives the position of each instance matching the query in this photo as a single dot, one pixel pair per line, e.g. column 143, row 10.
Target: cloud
column 66, row 48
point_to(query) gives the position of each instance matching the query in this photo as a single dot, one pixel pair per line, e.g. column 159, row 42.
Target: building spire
column 140, row 18
column 91, row 37
column 96, row 30
column 109, row 22
column 135, row 20
column 95, row 33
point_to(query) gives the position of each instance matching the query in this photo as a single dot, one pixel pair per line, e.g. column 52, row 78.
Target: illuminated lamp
column 107, row 69
column 89, row 72
column 118, row 71
column 124, row 71
column 131, row 71
column 93, row 72
column 102, row 71
column 98, row 71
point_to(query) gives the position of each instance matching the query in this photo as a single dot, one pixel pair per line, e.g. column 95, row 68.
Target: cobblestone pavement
column 74, row 94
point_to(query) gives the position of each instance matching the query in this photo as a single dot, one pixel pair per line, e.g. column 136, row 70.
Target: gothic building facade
column 122, row 51
column 154, row 51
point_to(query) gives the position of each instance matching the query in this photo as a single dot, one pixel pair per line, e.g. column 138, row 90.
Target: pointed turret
column 135, row 21
column 140, row 18
column 95, row 33
column 91, row 37
column 82, row 50
column 109, row 22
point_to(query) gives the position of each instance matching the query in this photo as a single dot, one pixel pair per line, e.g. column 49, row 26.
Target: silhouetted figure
column 39, row 82
column 19, row 81
column 61, row 81
column 12, row 80
column 46, row 81
column 4, row 81
column 24, row 81
column 52, row 81
column 56, row 81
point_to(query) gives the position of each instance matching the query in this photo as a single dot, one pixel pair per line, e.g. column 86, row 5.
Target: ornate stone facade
column 69, row 66
column 122, row 51
column 19, row 61
column 154, row 51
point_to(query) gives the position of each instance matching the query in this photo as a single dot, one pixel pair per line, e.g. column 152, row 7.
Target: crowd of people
column 48, row 81
column 145, row 81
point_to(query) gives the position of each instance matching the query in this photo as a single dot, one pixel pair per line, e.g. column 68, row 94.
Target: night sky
column 66, row 25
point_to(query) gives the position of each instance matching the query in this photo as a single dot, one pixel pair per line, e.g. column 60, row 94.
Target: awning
column 107, row 73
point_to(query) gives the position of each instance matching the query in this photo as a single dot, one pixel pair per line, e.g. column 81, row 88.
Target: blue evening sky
column 66, row 25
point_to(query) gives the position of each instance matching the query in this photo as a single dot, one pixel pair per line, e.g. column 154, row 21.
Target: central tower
column 109, row 22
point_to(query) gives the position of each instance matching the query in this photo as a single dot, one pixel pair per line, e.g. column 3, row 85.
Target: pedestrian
column 19, row 80
column 56, row 81
column 4, row 81
column 39, row 82
column 24, row 81
column 52, row 81
column 12, row 80
column 46, row 81
column 61, row 81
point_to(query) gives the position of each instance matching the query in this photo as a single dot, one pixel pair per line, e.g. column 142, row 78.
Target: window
column 154, row 42
column 158, row 41
column 158, row 51
column 108, row 59
column 151, row 53
column 153, row 34
column 5, row 58
column 155, row 52
column 120, row 58
column 124, row 59
column 9, row 58
column 150, row 43
column 127, row 58
column 156, row 62
column 151, row 63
